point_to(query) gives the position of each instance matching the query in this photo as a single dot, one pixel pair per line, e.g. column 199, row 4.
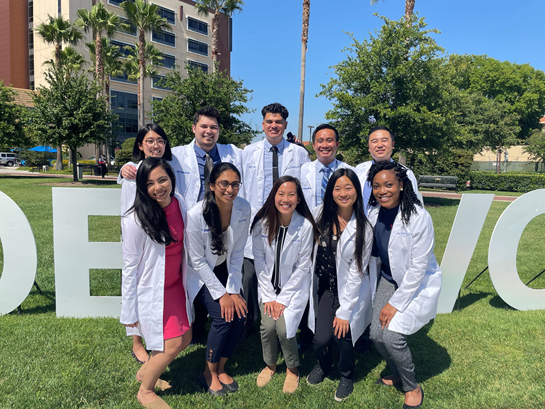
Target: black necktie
column 208, row 166
column 274, row 150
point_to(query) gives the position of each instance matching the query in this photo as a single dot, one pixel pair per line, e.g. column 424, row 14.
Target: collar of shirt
column 333, row 166
column 201, row 154
column 281, row 146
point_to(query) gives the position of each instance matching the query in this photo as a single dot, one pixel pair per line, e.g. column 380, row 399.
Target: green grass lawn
column 486, row 355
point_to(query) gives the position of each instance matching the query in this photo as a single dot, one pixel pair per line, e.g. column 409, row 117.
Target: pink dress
column 175, row 322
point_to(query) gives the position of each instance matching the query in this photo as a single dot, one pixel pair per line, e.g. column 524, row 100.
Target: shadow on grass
column 468, row 299
column 497, row 302
column 38, row 303
column 430, row 359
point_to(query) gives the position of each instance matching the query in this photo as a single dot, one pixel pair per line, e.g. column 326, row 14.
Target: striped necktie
column 327, row 173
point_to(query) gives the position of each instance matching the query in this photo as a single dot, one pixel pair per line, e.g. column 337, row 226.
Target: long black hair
column 138, row 154
column 148, row 212
column 210, row 210
column 328, row 216
column 269, row 212
column 407, row 197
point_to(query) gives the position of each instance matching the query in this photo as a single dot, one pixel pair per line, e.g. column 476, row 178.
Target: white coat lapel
column 349, row 232
column 396, row 228
column 311, row 179
column 190, row 158
column 260, row 178
column 293, row 232
column 287, row 157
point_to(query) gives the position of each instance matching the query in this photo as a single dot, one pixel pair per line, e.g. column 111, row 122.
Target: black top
column 275, row 280
column 383, row 228
column 326, row 267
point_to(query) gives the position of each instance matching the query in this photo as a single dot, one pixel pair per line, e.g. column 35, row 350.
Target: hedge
column 82, row 161
column 507, row 182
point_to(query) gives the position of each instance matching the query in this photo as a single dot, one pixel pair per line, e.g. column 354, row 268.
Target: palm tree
column 58, row 31
column 102, row 23
column 304, row 41
column 113, row 66
column 227, row 7
column 409, row 8
column 70, row 59
column 145, row 18
column 153, row 58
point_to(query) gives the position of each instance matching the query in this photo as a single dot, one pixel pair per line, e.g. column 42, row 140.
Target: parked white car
column 8, row 159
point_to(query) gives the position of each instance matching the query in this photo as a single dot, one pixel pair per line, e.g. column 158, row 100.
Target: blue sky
column 267, row 42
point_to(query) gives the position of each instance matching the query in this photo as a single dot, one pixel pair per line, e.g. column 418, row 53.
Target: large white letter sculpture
column 502, row 253
column 75, row 255
column 17, row 240
column 462, row 241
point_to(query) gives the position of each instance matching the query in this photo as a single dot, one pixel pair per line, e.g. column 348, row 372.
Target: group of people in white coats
column 264, row 233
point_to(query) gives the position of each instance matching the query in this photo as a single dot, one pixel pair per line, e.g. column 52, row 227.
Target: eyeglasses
column 158, row 142
column 223, row 184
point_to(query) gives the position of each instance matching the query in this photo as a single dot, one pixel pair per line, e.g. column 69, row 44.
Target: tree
column 153, row 58
column 175, row 112
column 519, row 85
column 304, row 41
column 395, row 79
column 12, row 120
column 228, row 8
column 89, row 118
column 58, row 31
column 409, row 8
column 536, row 145
column 69, row 59
column 145, row 18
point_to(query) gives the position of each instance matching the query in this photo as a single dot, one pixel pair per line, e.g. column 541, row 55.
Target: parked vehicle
column 8, row 159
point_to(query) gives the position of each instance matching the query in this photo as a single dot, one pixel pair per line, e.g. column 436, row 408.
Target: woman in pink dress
column 154, row 296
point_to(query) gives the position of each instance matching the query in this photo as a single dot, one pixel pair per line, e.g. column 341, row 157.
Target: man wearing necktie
column 314, row 178
column 263, row 163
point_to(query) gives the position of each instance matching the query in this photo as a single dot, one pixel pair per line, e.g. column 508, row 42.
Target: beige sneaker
column 264, row 377
column 291, row 383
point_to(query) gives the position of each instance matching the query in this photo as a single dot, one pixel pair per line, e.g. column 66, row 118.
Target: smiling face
column 325, row 145
column 381, row 145
column 159, row 186
column 286, row 200
column 153, row 145
column 225, row 194
column 387, row 189
column 274, row 126
column 344, row 193
column 207, row 132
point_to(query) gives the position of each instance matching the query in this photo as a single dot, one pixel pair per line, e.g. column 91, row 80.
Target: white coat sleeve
column 349, row 296
column 128, row 193
column 196, row 254
column 303, row 266
column 262, row 271
column 119, row 177
column 234, row 280
column 134, row 239
column 423, row 240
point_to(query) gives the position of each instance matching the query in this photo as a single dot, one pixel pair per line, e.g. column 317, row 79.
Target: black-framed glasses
column 223, row 184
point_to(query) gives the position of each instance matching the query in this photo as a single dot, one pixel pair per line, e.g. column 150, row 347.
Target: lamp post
column 309, row 133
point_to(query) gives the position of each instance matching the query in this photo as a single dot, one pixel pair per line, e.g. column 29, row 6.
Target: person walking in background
column 409, row 276
column 217, row 228
column 154, row 297
column 283, row 236
column 342, row 287
column 264, row 162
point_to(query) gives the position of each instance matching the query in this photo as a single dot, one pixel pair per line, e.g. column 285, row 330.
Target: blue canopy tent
column 44, row 149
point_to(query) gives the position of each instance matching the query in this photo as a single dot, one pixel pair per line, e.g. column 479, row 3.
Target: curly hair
column 407, row 197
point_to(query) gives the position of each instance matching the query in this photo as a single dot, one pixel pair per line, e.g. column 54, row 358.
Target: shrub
column 456, row 162
column 124, row 155
column 507, row 182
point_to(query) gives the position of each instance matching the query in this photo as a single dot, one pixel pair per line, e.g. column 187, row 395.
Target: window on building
column 168, row 61
column 122, row 78
column 131, row 30
column 197, row 26
column 125, row 106
column 118, row 2
column 30, row 11
column 157, row 82
column 164, row 38
column 198, row 65
column 197, row 47
column 30, row 39
column 31, row 64
column 122, row 47
column 168, row 14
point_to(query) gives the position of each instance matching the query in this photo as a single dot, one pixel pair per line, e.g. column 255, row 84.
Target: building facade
column 189, row 42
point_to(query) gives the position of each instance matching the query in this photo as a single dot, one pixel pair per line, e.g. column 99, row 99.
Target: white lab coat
column 202, row 261
column 295, row 269
column 354, row 288
column 142, row 287
column 293, row 158
column 362, row 170
column 191, row 177
column 308, row 181
column 128, row 186
column 414, row 268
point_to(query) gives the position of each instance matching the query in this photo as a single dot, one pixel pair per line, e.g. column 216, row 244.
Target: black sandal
column 135, row 357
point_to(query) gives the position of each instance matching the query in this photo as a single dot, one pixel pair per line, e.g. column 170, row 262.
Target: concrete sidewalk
column 448, row 195
column 16, row 172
